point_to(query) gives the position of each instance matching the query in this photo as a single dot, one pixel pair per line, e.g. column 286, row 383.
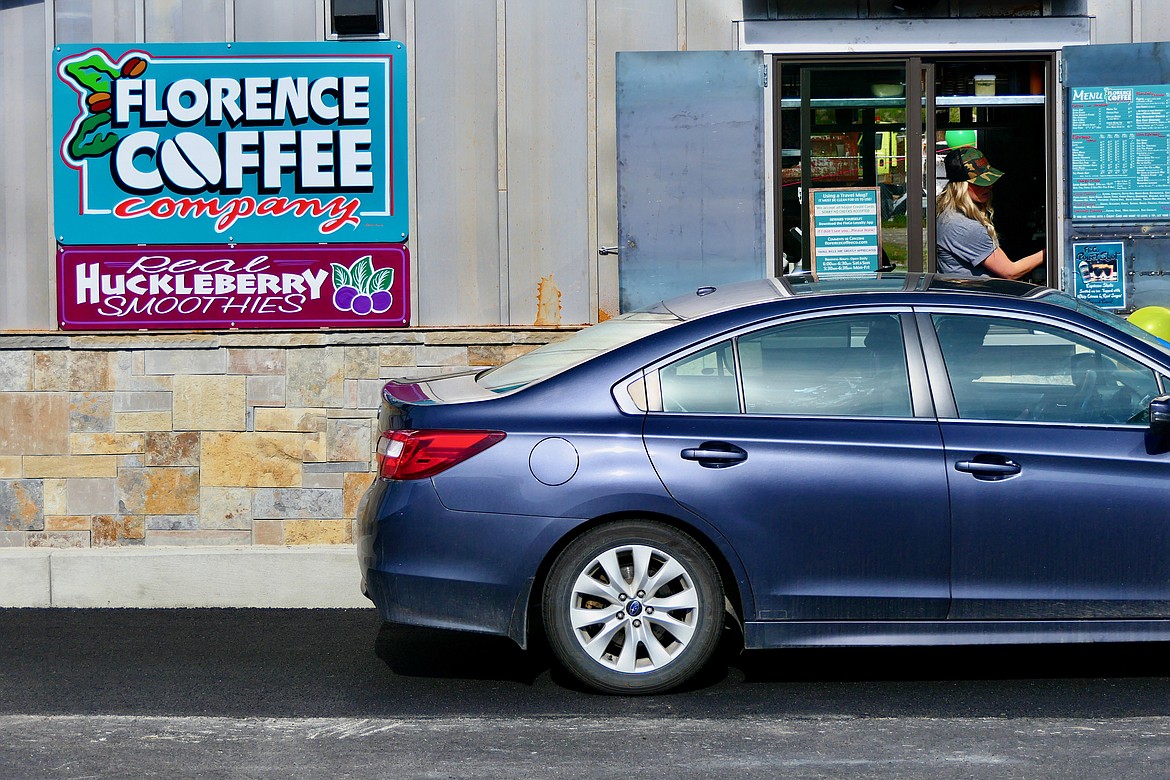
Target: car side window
column 701, row 382
column 849, row 365
column 1006, row 369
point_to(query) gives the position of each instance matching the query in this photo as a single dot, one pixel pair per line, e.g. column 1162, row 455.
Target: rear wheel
column 633, row 607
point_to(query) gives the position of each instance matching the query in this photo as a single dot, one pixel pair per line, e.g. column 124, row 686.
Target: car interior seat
column 1086, row 404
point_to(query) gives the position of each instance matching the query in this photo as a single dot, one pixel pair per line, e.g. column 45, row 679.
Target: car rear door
column 812, row 446
column 1058, row 508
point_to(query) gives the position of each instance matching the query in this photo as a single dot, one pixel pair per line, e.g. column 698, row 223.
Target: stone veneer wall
column 236, row 438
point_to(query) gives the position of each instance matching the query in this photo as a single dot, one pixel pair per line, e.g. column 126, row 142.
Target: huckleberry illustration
column 362, row 289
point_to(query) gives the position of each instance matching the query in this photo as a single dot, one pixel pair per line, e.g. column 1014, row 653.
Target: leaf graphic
column 83, row 145
column 383, row 280
column 362, row 271
column 94, row 73
column 341, row 276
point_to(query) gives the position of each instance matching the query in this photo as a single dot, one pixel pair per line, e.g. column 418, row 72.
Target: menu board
column 1119, row 152
column 846, row 230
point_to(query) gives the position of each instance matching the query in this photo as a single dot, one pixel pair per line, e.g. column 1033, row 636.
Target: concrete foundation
column 309, row 577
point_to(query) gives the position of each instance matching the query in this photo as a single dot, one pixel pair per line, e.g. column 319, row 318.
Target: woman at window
column 967, row 241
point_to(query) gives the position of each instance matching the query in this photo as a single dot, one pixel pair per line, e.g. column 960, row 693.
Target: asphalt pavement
column 335, row 693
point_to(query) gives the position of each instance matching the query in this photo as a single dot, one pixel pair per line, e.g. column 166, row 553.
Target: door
column 799, row 441
column 1058, row 510
column 690, row 172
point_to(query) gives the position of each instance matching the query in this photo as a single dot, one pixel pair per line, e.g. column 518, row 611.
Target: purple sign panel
column 204, row 287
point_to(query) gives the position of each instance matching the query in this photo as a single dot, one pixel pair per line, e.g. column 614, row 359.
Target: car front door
column 803, row 443
column 1058, row 509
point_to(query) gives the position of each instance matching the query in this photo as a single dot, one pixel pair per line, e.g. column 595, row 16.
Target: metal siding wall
column 628, row 25
column 277, row 20
column 1114, row 22
column 709, row 24
column 456, row 246
column 548, row 156
column 185, row 20
column 91, row 21
column 1154, row 20
column 26, row 255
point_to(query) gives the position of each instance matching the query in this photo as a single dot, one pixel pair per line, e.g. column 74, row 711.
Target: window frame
column 940, row 382
column 645, row 388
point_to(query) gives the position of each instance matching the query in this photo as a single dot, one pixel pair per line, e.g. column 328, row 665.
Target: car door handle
column 715, row 454
column 988, row 469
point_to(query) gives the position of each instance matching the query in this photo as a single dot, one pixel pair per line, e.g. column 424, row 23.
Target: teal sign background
column 846, row 230
column 253, row 143
column 1119, row 152
column 1099, row 272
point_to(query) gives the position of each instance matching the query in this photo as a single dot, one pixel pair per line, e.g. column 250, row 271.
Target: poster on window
column 846, row 230
column 1099, row 271
column 230, row 143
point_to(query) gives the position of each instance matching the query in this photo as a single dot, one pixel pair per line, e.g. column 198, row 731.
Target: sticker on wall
column 230, row 143
column 1100, row 273
column 199, row 287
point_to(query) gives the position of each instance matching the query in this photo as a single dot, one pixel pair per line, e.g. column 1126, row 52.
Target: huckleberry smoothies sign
column 245, row 143
column 292, row 286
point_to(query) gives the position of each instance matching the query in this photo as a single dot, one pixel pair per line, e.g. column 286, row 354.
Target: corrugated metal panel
column 709, row 24
column 1115, row 20
column 548, row 126
column 26, row 258
column 1153, row 22
column 88, row 21
column 456, row 244
column 277, row 20
column 185, row 20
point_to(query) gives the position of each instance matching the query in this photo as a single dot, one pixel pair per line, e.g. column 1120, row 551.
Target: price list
column 1119, row 152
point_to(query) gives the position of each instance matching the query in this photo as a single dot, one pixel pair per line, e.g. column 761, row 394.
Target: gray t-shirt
column 963, row 245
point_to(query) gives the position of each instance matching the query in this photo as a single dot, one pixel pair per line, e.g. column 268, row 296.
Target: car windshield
column 557, row 356
column 1109, row 318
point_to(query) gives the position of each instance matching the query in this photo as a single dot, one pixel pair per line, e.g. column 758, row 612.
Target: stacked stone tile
column 205, row 439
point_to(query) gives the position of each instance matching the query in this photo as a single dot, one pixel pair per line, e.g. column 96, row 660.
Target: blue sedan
column 900, row 460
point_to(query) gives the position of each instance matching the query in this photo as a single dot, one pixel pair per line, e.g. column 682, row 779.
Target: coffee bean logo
column 190, row 162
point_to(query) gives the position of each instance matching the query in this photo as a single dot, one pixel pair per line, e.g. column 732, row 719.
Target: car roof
column 711, row 299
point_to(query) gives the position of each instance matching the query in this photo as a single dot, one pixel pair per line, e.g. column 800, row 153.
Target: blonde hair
column 957, row 196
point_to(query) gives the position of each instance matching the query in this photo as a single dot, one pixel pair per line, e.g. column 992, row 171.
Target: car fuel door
column 811, row 445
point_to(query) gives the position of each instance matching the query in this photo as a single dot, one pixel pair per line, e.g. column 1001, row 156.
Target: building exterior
column 551, row 183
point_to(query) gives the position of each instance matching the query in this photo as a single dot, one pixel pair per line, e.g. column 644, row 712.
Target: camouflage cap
column 970, row 165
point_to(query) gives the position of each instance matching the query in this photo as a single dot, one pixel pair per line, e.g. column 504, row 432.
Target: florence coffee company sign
column 189, row 177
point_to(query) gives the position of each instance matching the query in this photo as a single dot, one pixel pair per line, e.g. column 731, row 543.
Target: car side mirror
column 1158, row 434
column 1160, row 415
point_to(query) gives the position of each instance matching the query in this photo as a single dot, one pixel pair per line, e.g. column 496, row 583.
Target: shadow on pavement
column 424, row 652
column 347, row 663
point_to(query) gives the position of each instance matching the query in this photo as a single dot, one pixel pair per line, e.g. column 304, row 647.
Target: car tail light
column 410, row 454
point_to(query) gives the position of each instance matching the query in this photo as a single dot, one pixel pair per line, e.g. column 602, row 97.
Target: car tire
column 659, row 606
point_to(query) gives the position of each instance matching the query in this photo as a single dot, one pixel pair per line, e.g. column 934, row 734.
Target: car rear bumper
column 425, row 565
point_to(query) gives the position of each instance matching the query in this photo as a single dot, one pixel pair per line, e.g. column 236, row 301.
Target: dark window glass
column 1003, row 369
column 852, row 366
column 357, row 18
